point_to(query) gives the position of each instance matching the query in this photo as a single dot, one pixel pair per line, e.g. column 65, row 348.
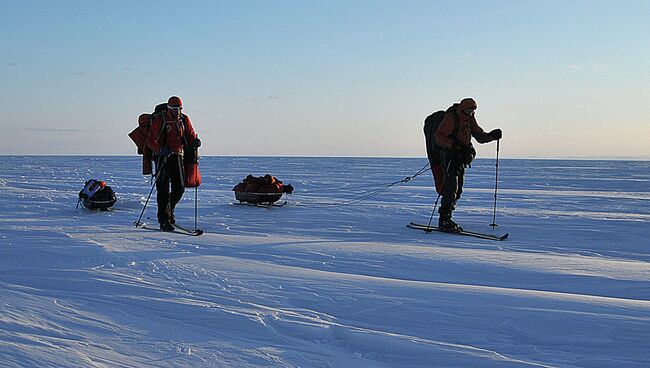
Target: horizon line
column 572, row 158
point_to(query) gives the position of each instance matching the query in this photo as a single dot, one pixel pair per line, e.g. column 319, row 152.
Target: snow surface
column 318, row 283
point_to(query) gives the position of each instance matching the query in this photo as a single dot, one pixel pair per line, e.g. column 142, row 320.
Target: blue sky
column 327, row 78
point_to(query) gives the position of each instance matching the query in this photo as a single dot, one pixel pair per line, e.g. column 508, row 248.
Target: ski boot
column 167, row 227
column 172, row 219
column 445, row 223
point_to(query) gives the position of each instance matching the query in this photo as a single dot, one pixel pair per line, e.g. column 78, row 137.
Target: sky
column 562, row 79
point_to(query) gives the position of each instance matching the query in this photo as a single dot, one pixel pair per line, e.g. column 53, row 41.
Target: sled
column 259, row 199
column 263, row 191
column 96, row 195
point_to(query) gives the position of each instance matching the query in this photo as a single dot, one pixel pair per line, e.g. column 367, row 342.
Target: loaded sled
column 96, row 195
column 261, row 191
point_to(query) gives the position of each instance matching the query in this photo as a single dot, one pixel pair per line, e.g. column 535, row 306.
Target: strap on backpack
column 183, row 130
column 163, row 130
column 455, row 132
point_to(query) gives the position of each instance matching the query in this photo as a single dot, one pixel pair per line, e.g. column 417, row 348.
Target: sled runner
column 259, row 199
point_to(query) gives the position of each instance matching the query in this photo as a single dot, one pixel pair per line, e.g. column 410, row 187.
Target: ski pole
column 196, row 207
column 196, row 192
column 158, row 171
column 496, row 185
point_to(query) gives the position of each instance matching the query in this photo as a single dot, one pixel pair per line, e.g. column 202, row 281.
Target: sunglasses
column 175, row 108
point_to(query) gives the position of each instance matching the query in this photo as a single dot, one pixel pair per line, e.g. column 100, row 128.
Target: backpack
column 140, row 134
column 191, row 172
column 431, row 124
column 434, row 151
column 97, row 195
column 161, row 109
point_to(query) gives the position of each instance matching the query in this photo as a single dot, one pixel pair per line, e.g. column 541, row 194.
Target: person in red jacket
column 171, row 133
column 454, row 136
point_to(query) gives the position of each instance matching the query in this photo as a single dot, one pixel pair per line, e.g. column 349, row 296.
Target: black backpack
column 431, row 124
column 160, row 109
column 97, row 195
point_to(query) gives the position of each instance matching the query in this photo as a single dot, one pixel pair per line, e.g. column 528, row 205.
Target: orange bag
column 192, row 173
column 438, row 177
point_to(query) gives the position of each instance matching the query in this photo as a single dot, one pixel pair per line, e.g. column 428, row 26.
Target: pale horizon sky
column 563, row 79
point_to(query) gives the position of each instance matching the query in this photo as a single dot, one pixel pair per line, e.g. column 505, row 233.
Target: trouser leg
column 162, row 191
column 177, row 182
column 451, row 189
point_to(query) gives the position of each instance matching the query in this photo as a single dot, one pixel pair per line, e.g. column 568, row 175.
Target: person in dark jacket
column 454, row 136
column 171, row 132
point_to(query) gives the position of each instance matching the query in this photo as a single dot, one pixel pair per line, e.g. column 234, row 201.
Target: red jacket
column 167, row 131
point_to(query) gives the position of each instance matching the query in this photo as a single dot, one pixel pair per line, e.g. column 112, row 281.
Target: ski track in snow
column 316, row 285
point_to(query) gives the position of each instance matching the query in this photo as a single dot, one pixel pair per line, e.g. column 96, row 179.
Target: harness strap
column 182, row 129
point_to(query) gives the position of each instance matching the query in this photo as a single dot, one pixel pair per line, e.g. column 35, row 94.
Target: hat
column 467, row 103
column 175, row 101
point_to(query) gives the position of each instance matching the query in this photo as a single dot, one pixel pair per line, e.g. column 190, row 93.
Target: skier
column 171, row 133
column 455, row 150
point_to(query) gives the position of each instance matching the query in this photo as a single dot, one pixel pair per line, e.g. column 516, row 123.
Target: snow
column 323, row 283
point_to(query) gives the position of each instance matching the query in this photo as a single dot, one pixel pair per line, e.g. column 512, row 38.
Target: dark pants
column 454, row 177
column 172, row 173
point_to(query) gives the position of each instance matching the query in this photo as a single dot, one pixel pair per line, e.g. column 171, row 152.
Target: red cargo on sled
column 263, row 190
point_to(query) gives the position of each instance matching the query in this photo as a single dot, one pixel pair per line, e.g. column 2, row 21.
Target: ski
column 196, row 232
column 426, row 228
column 177, row 230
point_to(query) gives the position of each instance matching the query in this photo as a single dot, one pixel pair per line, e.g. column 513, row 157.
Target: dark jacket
column 467, row 128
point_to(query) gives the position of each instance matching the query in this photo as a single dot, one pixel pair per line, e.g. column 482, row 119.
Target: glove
column 196, row 143
column 463, row 154
column 496, row 134
column 165, row 152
